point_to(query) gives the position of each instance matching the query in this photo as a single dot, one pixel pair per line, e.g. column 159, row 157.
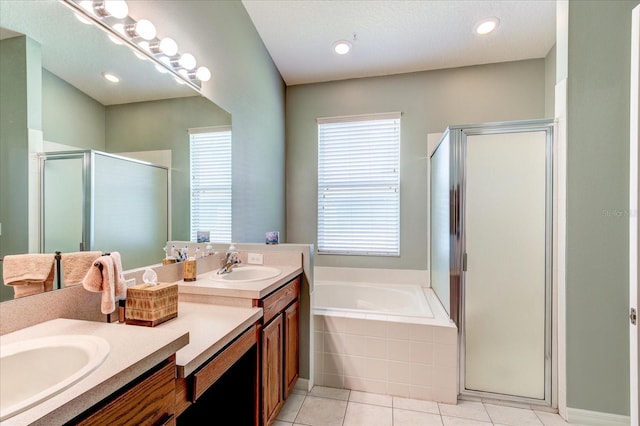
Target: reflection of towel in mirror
column 76, row 265
column 28, row 273
column 106, row 276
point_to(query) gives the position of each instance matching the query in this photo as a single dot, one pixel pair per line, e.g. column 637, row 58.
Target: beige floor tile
column 370, row 415
column 416, row 405
column 458, row 421
column 281, row 423
column 321, row 412
column 465, row 410
column 327, row 392
column 415, row 418
column 551, row 419
column 371, row 398
column 291, row 406
column 512, row 416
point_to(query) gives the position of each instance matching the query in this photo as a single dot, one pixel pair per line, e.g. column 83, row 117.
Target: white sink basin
column 246, row 273
column 34, row 370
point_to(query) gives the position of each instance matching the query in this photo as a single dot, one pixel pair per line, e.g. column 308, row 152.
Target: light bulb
column 145, row 45
column 342, row 47
column 111, row 77
column 117, row 8
column 119, row 28
column 87, row 5
column 145, row 29
column 486, row 26
column 168, row 46
column 203, row 74
column 161, row 69
column 187, row 61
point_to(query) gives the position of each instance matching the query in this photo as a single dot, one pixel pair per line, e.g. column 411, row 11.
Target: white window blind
column 359, row 185
column 210, row 161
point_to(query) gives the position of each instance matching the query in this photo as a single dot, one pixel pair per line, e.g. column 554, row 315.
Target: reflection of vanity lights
column 112, row 17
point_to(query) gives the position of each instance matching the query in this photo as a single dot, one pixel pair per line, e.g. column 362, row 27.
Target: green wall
column 429, row 101
column 20, row 109
column 159, row 125
column 246, row 83
column 69, row 116
column 597, row 289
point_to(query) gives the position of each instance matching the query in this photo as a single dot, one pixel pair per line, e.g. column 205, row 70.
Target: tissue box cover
column 151, row 305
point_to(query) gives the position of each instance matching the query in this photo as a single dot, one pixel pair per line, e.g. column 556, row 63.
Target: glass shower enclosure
column 91, row 200
column 491, row 223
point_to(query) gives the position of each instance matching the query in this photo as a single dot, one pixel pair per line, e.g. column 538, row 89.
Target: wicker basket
column 151, row 305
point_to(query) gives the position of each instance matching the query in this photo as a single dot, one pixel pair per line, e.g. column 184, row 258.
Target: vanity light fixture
column 141, row 36
column 116, row 8
column 111, row 77
column 342, row 47
column 486, row 26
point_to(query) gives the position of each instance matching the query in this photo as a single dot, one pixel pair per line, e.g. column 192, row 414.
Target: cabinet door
column 272, row 398
column 291, row 347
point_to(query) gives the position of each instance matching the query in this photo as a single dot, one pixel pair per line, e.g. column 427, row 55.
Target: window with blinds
column 359, row 185
column 210, row 162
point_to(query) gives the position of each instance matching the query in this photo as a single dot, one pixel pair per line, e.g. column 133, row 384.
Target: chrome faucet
column 232, row 259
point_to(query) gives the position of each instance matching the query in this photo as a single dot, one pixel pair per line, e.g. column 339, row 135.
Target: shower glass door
column 506, row 288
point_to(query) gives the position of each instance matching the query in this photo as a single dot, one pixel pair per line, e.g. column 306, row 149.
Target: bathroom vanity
column 277, row 332
column 237, row 340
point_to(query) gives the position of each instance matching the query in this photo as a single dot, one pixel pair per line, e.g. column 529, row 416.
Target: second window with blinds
column 359, row 185
column 210, row 167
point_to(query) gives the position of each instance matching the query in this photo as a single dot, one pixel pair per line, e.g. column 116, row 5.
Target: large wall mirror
column 54, row 98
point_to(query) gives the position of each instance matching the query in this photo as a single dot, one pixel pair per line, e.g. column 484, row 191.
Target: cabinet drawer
column 273, row 304
column 214, row 369
column 149, row 402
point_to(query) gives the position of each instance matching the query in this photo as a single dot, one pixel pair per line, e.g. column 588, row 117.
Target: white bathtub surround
column 404, row 348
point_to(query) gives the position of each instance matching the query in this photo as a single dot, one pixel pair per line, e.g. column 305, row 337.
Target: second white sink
column 34, row 370
column 245, row 273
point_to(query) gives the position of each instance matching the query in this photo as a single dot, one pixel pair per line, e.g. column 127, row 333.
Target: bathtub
column 393, row 339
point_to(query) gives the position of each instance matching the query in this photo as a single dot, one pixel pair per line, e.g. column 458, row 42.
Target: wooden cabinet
column 147, row 401
column 199, row 387
column 272, row 361
column 280, row 347
column 291, row 347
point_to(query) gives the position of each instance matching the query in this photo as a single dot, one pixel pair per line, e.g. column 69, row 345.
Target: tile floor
column 325, row 406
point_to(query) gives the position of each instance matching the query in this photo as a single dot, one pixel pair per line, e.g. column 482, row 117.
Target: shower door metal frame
column 458, row 250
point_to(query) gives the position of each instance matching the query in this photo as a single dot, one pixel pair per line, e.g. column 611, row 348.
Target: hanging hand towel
column 76, row 265
column 28, row 273
column 118, row 276
column 100, row 278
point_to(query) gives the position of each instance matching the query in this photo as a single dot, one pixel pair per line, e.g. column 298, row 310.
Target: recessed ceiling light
column 486, row 26
column 111, row 77
column 342, row 47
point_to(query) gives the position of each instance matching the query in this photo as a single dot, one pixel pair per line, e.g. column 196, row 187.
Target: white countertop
column 205, row 285
column 133, row 351
column 211, row 328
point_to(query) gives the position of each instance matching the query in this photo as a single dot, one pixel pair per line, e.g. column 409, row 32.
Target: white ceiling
column 397, row 36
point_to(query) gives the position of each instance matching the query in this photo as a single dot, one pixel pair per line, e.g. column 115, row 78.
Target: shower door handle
column 464, row 262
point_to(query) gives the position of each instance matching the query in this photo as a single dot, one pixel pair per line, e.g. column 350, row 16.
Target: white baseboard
column 596, row 418
column 303, row 385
